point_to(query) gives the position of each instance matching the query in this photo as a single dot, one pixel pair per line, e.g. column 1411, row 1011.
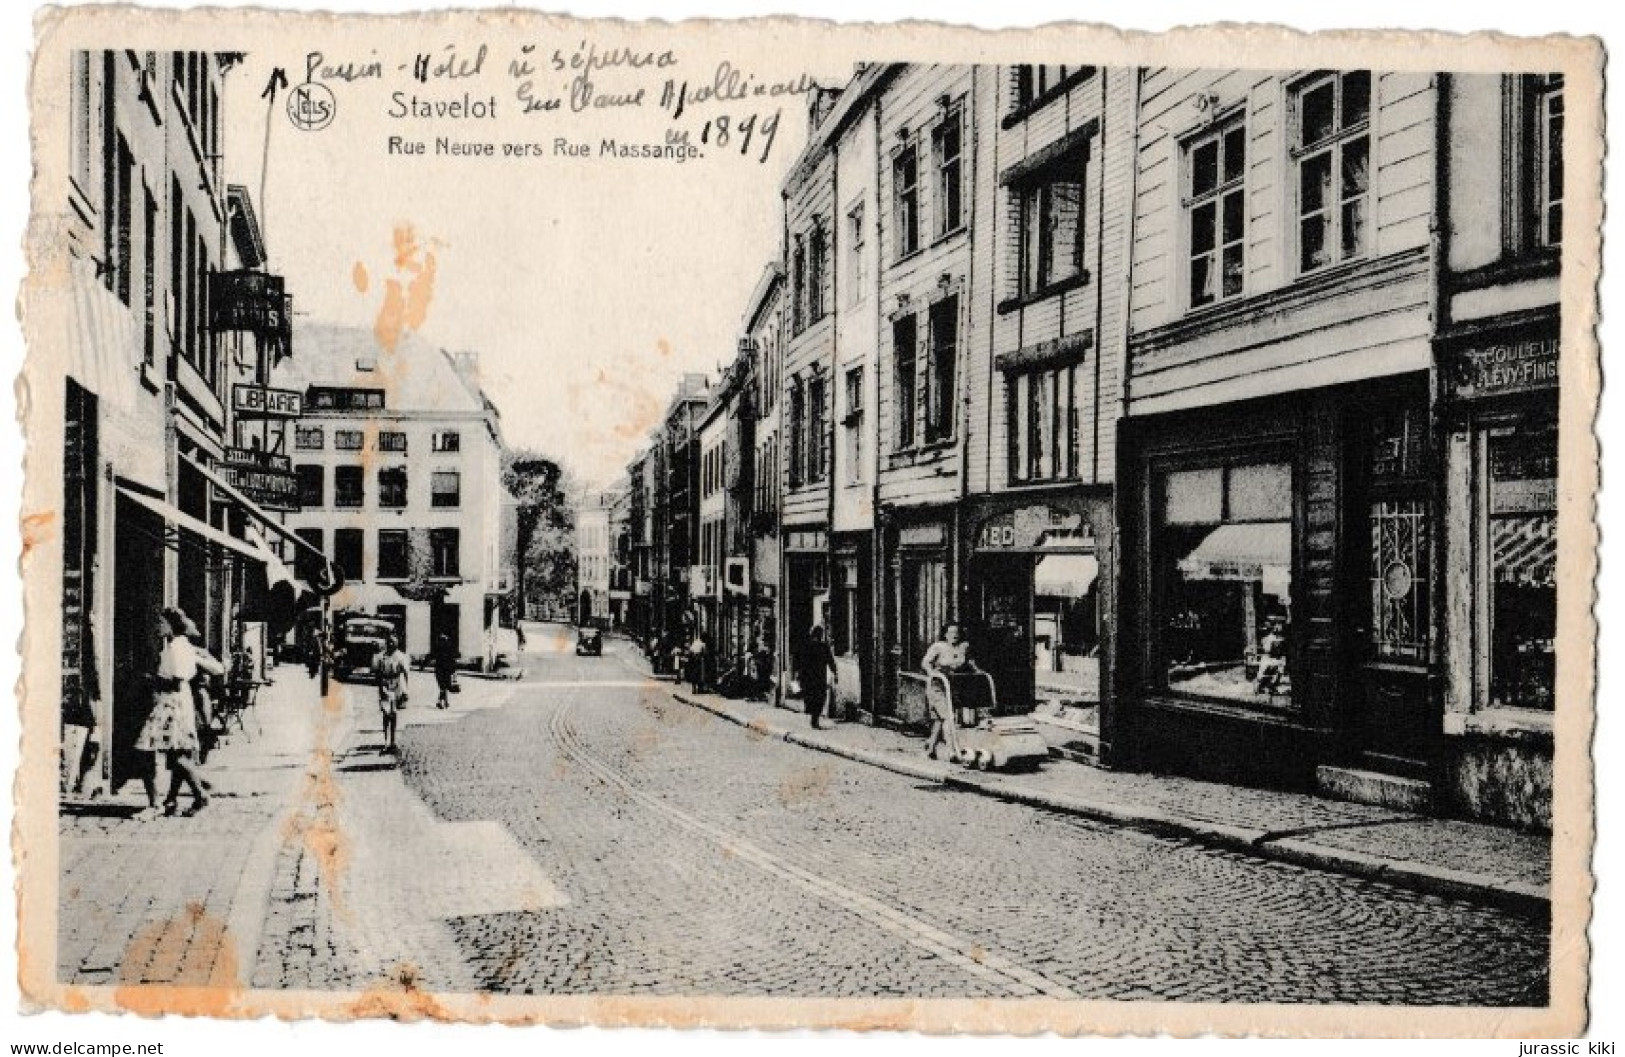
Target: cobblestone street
column 581, row 831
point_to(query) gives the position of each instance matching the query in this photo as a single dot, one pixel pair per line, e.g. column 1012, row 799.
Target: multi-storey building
column 1044, row 376
column 640, row 489
column 165, row 266
column 677, row 510
column 1279, row 551
column 763, row 334
column 398, row 458
column 595, row 550
column 705, row 583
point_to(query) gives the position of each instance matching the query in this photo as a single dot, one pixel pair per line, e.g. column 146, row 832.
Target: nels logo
column 311, row 106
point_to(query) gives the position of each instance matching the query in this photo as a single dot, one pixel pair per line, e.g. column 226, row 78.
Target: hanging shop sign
column 257, row 401
column 1521, row 366
column 1039, row 527
column 262, row 477
column 250, row 301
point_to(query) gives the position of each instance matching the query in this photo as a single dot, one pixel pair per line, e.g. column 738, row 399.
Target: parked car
column 589, row 642
column 357, row 641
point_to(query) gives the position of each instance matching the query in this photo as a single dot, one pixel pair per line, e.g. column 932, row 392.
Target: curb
column 1514, row 896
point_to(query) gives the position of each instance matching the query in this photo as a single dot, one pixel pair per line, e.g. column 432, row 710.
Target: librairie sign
column 257, row 401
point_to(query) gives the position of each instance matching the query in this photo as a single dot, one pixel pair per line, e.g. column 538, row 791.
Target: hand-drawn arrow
column 278, row 79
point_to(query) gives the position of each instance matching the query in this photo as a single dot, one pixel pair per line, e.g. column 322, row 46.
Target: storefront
column 919, row 592
column 1037, row 596
column 851, row 621
column 1499, row 417
column 1278, row 582
column 805, row 594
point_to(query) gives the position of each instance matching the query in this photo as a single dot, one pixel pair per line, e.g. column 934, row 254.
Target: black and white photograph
column 782, row 524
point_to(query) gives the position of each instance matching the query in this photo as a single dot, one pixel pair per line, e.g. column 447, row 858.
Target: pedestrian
column 171, row 727
column 445, row 669
column 393, row 668
column 699, row 653
column 947, row 656
column 815, row 668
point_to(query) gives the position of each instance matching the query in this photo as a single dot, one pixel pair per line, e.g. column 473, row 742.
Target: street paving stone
column 698, row 857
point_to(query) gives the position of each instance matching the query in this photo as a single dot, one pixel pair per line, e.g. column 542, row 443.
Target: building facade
column 398, row 457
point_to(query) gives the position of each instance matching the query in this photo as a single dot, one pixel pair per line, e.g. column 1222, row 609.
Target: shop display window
column 1521, row 550
column 1223, row 546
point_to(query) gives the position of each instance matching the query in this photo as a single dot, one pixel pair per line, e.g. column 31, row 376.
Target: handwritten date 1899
column 732, row 132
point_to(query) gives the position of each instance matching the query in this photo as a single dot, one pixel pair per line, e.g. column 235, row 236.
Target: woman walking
column 171, row 729
column 392, row 667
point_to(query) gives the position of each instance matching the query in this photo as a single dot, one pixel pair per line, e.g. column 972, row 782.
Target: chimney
column 820, row 101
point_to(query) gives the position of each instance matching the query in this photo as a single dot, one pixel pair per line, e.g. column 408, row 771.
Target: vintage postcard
column 784, row 524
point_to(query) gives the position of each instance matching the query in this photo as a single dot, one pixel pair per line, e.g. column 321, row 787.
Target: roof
column 416, row 375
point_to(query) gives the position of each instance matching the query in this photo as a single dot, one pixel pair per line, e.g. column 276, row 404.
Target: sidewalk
column 1440, row 856
column 182, row 901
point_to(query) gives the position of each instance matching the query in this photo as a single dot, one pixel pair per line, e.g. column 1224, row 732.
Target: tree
column 546, row 529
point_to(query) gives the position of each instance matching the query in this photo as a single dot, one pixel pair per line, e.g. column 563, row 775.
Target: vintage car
column 589, row 642
column 357, row 641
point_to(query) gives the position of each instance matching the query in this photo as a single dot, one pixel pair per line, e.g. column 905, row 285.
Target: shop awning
column 180, row 520
column 1065, row 575
column 1525, row 550
column 1261, row 551
column 252, row 508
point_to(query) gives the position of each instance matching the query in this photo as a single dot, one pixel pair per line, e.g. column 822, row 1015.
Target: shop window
column 1223, row 550
column 947, row 144
column 445, row 488
column 392, row 487
column 923, row 607
column 1050, row 213
column 349, row 487
column 347, row 552
column 1332, row 152
column 394, row 561
column 1042, row 421
column 1215, row 211
column 1522, row 554
column 311, row 486
column 843, row 614
column 905, row 170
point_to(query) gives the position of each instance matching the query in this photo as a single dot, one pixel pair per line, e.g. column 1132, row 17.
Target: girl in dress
column 171, row 729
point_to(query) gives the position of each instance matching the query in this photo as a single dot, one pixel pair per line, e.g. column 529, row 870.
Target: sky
column 588, row 285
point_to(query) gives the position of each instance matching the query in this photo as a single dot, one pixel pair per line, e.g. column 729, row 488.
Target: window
column 445, row 488
column 311, row 485
column 446, row 440
column 1035, row 82
column 857, row 279
column 1050, row 205
column 348, row 439
column 1215, row 208
column 122, row 210
column 347, row 553
column 149, row 279
column 798, row 286
column 798, row 425
column 817, row 394
column 391, row 440
column 308, row 560
column 947, row 145
column 392, row 487
column 445, row 547
column 1545, row 94
column 1522, row 558
column 939, row 402
column 1222, row 548
column 1332, row 149
column 1042, row 421
column 854, row 425
column 308, row 438
column 902, row 339
column 817, row 269
column 394, row 550
column 349, row 488
column 905, row 170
